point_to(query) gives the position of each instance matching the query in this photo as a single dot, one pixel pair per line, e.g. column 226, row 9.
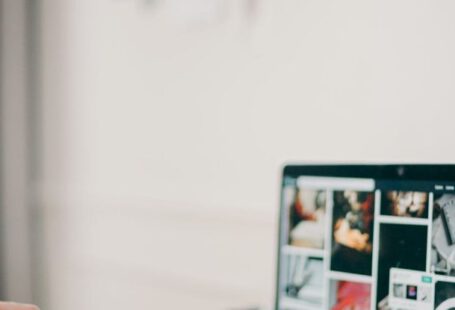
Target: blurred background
column 142, row 140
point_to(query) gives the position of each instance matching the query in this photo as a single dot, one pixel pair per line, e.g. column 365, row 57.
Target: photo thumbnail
column 400, row 246
column 443, row 236
column 307, row 218
column 352, row 237
column 405, row 204
column 347, row 295
column 399, row 290
column 411, row 292
column 444, row 298
column 304, row 279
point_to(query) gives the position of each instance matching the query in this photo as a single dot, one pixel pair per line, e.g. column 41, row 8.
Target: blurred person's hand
column 14, row 306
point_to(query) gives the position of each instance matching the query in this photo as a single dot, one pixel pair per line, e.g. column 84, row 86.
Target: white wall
column 163, row 133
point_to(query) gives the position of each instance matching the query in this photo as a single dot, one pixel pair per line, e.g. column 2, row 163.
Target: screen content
column 358, row 244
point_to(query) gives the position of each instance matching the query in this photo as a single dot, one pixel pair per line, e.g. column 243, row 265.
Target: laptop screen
column 361, row 243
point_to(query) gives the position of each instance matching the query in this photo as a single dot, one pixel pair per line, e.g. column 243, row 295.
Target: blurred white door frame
column 15, row 151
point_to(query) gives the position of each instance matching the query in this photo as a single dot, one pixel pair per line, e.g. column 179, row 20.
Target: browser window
column 363, row 244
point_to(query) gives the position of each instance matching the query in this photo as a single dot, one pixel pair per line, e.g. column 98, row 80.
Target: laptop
column 366, row 237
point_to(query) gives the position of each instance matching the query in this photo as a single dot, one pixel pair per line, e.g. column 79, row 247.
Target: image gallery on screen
column 352, row 246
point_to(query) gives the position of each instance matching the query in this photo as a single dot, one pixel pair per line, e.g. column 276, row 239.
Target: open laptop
column 367, row 237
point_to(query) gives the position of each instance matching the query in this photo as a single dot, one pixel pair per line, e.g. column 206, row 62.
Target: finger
column 15, row 306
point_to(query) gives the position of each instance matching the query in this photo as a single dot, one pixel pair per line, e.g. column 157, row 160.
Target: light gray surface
column 14, row 221
column 156, row 131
